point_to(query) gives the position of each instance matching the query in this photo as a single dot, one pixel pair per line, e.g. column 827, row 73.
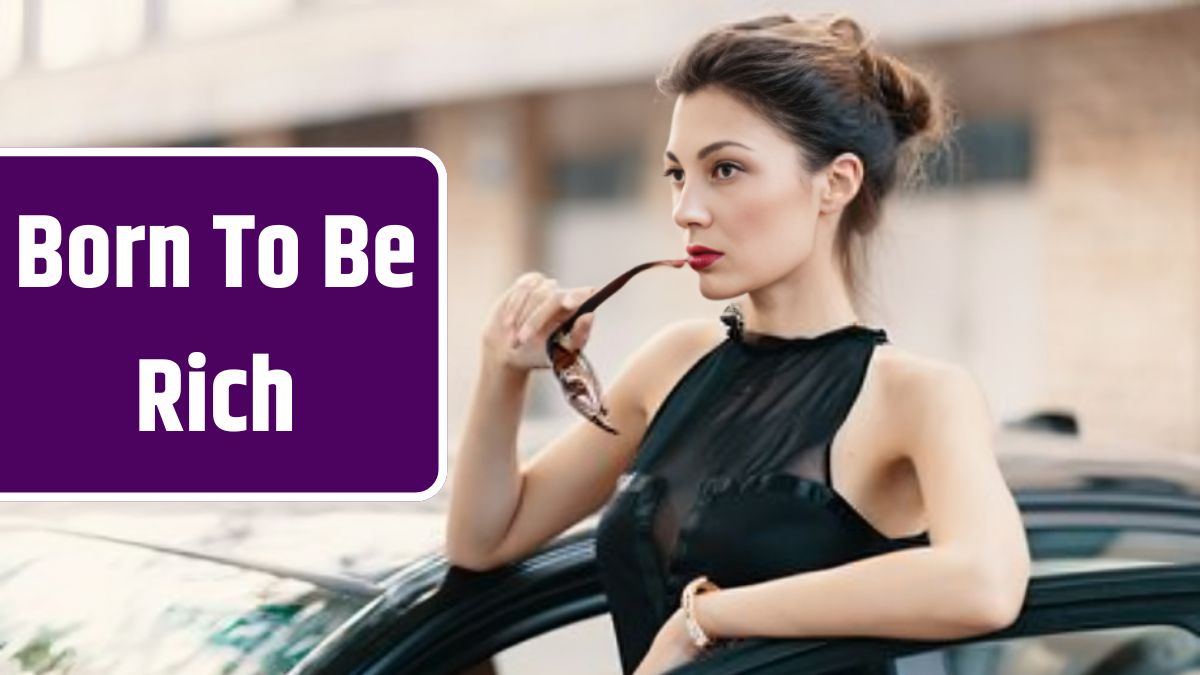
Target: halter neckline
column 735, row 321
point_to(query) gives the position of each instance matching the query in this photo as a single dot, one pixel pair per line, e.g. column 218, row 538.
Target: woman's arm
column 501, row 511
column 486, row 483
column 973, row 577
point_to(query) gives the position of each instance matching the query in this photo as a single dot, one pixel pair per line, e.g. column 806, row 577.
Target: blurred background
column 1054, row 249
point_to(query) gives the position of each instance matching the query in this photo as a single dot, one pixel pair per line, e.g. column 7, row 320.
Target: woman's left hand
column 671, row 648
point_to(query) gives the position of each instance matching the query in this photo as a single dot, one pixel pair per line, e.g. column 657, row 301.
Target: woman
column 786, row 471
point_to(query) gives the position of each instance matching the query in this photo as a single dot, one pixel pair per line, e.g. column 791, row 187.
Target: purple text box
column 367, row 363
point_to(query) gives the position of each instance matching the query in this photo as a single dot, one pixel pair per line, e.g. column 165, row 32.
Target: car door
column 439, row 619
column 1146, row 620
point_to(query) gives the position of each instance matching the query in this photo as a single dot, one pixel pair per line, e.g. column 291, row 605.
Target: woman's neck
column 810, row 301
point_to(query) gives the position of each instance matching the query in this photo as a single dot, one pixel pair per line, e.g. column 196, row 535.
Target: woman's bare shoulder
column 905, row 372
column 684, row 341
column 671, row 352
column 912, row 382
column 700, row 333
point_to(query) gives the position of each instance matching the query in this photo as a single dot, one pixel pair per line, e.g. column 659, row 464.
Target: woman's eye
column 723, row 170
column 726, row 165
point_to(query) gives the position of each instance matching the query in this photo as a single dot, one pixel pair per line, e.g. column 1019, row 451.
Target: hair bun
column 905, row 95
column 847, row 30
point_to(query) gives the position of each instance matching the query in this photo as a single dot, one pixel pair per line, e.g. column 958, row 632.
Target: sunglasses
column 573, row 370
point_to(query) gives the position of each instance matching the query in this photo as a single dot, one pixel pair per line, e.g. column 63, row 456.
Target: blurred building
column 1055, row 250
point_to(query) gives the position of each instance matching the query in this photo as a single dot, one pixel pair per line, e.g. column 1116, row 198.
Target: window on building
column 609, row 175
column 379, row 130
column 983, row 151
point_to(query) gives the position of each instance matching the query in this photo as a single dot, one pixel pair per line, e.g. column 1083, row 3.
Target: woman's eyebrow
column 709, row 149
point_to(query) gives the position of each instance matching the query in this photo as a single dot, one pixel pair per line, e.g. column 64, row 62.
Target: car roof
column 1046, row 461
column 337, row 583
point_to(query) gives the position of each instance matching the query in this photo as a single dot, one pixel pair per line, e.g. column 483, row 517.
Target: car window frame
column 1060, row 603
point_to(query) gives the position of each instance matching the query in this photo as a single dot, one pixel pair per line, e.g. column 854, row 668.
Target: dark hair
column 827, row 86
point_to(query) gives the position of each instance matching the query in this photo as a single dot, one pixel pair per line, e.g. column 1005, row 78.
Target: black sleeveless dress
column 732, row 478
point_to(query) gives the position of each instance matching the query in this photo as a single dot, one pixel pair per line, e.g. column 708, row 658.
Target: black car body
column 1115, row 542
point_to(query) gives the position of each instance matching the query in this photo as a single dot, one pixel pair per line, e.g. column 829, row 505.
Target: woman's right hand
column 523, row 317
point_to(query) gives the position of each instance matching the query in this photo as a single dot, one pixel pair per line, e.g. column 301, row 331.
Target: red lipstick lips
column 700, row 257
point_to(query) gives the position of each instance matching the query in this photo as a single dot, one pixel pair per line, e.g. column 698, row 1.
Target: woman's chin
column 714, row 289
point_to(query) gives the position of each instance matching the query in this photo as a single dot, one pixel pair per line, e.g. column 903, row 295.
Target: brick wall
column 1118, row 119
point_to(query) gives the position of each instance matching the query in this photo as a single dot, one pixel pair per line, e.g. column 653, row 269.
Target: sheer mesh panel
column 775, row 408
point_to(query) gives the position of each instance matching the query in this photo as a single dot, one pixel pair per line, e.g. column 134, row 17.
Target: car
column 191, row 588
column 1115, row 536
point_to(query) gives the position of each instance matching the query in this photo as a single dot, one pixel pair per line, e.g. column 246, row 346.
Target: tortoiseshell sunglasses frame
column 573, row 370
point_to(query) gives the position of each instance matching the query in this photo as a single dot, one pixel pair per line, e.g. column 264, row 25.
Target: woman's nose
column 690, row 211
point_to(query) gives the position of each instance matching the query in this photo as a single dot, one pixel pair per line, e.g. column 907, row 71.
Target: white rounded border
column 443, row 243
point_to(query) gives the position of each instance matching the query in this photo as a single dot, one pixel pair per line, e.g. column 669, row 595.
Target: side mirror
column 1051, row 421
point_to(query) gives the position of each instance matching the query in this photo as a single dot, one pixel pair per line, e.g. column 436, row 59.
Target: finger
column 585, row 292
column 506, row 310
column 581, row 332
column 537, row 298
column 530, row 276
column 517, row 294
column 569, row 306
column 548, row 310
column 554, row 304
column 583, row 324
column 527, row 302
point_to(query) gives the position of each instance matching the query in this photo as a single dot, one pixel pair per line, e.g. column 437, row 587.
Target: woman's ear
column 843, row 177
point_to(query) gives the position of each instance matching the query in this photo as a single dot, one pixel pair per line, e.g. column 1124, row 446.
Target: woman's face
column 740, row 188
